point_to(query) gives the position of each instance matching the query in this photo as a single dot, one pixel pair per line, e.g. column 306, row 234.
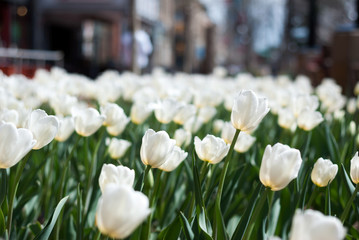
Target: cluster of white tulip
column 188, row 102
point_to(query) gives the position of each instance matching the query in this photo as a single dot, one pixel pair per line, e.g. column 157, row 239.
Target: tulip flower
column 184, row 113
column 314, row 225
column 218, row 125
column 118, row 147
column 354, row 168
column 66, row 128
column 248, row 111
column 113, row 114
column 120, row 210
column 140, row 112
column 14, row 144
column 115, row 175
column 182, row 137
column 193, row 124
column 244, row 142
column 156, row 147
column 11, row 115
column 211, row 149
column 228, row 132
column 174, row 159
column 206, row 113
column 166, row 110
column 43, row 127
column 118, row 128
column 324, row 171
column 308, row 119
column 88, row 121
column 280, row 165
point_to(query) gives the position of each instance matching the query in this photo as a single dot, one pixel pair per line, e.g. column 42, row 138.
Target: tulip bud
column 354, row 168
column 155, row 148
column 173, row 159
column 207, row 113
column 88, row 121
column 248, row 111
column 324, row 171
column 313, row 225
column 166, row 110
column 218, row 125
column 14, row 144
column 184, row 113
column 113, row 114
column 280, row 165
column 118, row 147
column 66, row 128
column 120, row 210
column 43, row 127
column 140, row 112
column 211, row 149
column 117, row 175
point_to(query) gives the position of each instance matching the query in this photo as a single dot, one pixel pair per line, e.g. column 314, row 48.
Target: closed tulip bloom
column 43, row 127
column 248, row 111
column 218, row 125
column 314, row 225
column 207, row 113
column 118, row 128
column 211, row 149
column 280, row 165
column 354, row 168
column 140, row 112
column 155, row 148
column 244, row 142
column 228, row 132
column 166, row 110
column 174, row 159
column 183, row 137
column 113, row 114
column 193, row 124
column 14, row 144
column 88, row 121
column 286, row 119
column 66, row 128
column 184, row 113
column 118, row 147
column 308, row 119
column 120, row 210
column 116, row 175
column 324, row 171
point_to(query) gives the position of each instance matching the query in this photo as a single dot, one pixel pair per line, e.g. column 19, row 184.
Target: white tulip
column 184, row 113
column 324, row 171
column 211, row 149
column 140, row 112
column 244, row 142
column 314, row 225
column 166, row 110
column 43, row 127
column 118, row 147
column 280, row 165
column 87, row 121
column 354, row 168
column 120, row 210
column 155, row 148
column 66, row 128
column 308, row 119
column 116, row 175
column 14, row 144
column 248, row 111
column 173, row 159
column 182, row 137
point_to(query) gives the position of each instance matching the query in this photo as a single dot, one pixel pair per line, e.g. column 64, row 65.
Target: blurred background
column 318, row 38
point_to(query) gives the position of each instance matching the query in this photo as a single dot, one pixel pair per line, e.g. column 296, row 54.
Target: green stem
column 349, row 204
column 328, row 209
column 13, row 189
column 225, row 167
column 147, row 169
column 257, row 210
column 313, row 196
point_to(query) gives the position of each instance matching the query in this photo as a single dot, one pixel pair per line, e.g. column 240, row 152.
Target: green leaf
column 46, row 231
column 197, row 185
column 220, row 226
column 2, row 223
column 172, row 231
column 3, row 190
column 350, row 185
column 186, row 227
column 243, row 223
column 35, row 228
column 274, row 216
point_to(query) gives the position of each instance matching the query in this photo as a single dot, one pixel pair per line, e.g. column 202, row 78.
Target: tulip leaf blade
column 46, row 231
column 243, row 223
column 350, row 185
column 172, row 231
column 197, row 185
column 220, row 231
column 2, row 223
column 3, row 191
column 186, row 227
